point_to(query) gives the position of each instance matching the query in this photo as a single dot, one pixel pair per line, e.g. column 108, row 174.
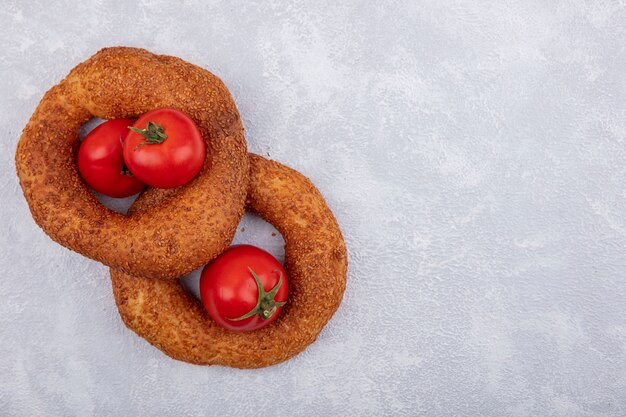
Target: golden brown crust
column 127, row 82
column 315, row 260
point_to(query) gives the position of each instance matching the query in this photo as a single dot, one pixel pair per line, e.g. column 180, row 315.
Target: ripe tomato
column 101, row 163
column 164, row 148
column 244, row 288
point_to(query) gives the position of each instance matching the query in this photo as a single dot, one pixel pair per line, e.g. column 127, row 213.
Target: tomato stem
column 126, row 171
column 266, row 306
column 154, row 134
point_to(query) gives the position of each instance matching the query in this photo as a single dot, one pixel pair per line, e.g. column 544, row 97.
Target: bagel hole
column 120, row 205
column 252, row 230
column 89, row 125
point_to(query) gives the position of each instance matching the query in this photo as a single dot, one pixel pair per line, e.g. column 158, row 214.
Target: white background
column 473, row 152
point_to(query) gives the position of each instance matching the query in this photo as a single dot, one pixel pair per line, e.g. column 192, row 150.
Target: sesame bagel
column 175, row 322
column 164, row 242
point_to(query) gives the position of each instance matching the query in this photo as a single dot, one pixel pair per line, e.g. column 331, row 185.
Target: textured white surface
column 474, row 154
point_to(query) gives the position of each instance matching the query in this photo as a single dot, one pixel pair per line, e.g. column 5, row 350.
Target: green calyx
column 266, row 306
column 154, row 134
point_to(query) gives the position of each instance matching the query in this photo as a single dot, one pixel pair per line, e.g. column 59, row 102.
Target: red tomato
column 101, row 163
column 244, row 288
column 165, row 148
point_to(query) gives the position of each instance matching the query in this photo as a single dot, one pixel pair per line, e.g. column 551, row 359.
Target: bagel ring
column 165, row 315
column 127, row 82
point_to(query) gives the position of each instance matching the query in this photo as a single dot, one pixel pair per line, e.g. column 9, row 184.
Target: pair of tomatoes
column 163, row 149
